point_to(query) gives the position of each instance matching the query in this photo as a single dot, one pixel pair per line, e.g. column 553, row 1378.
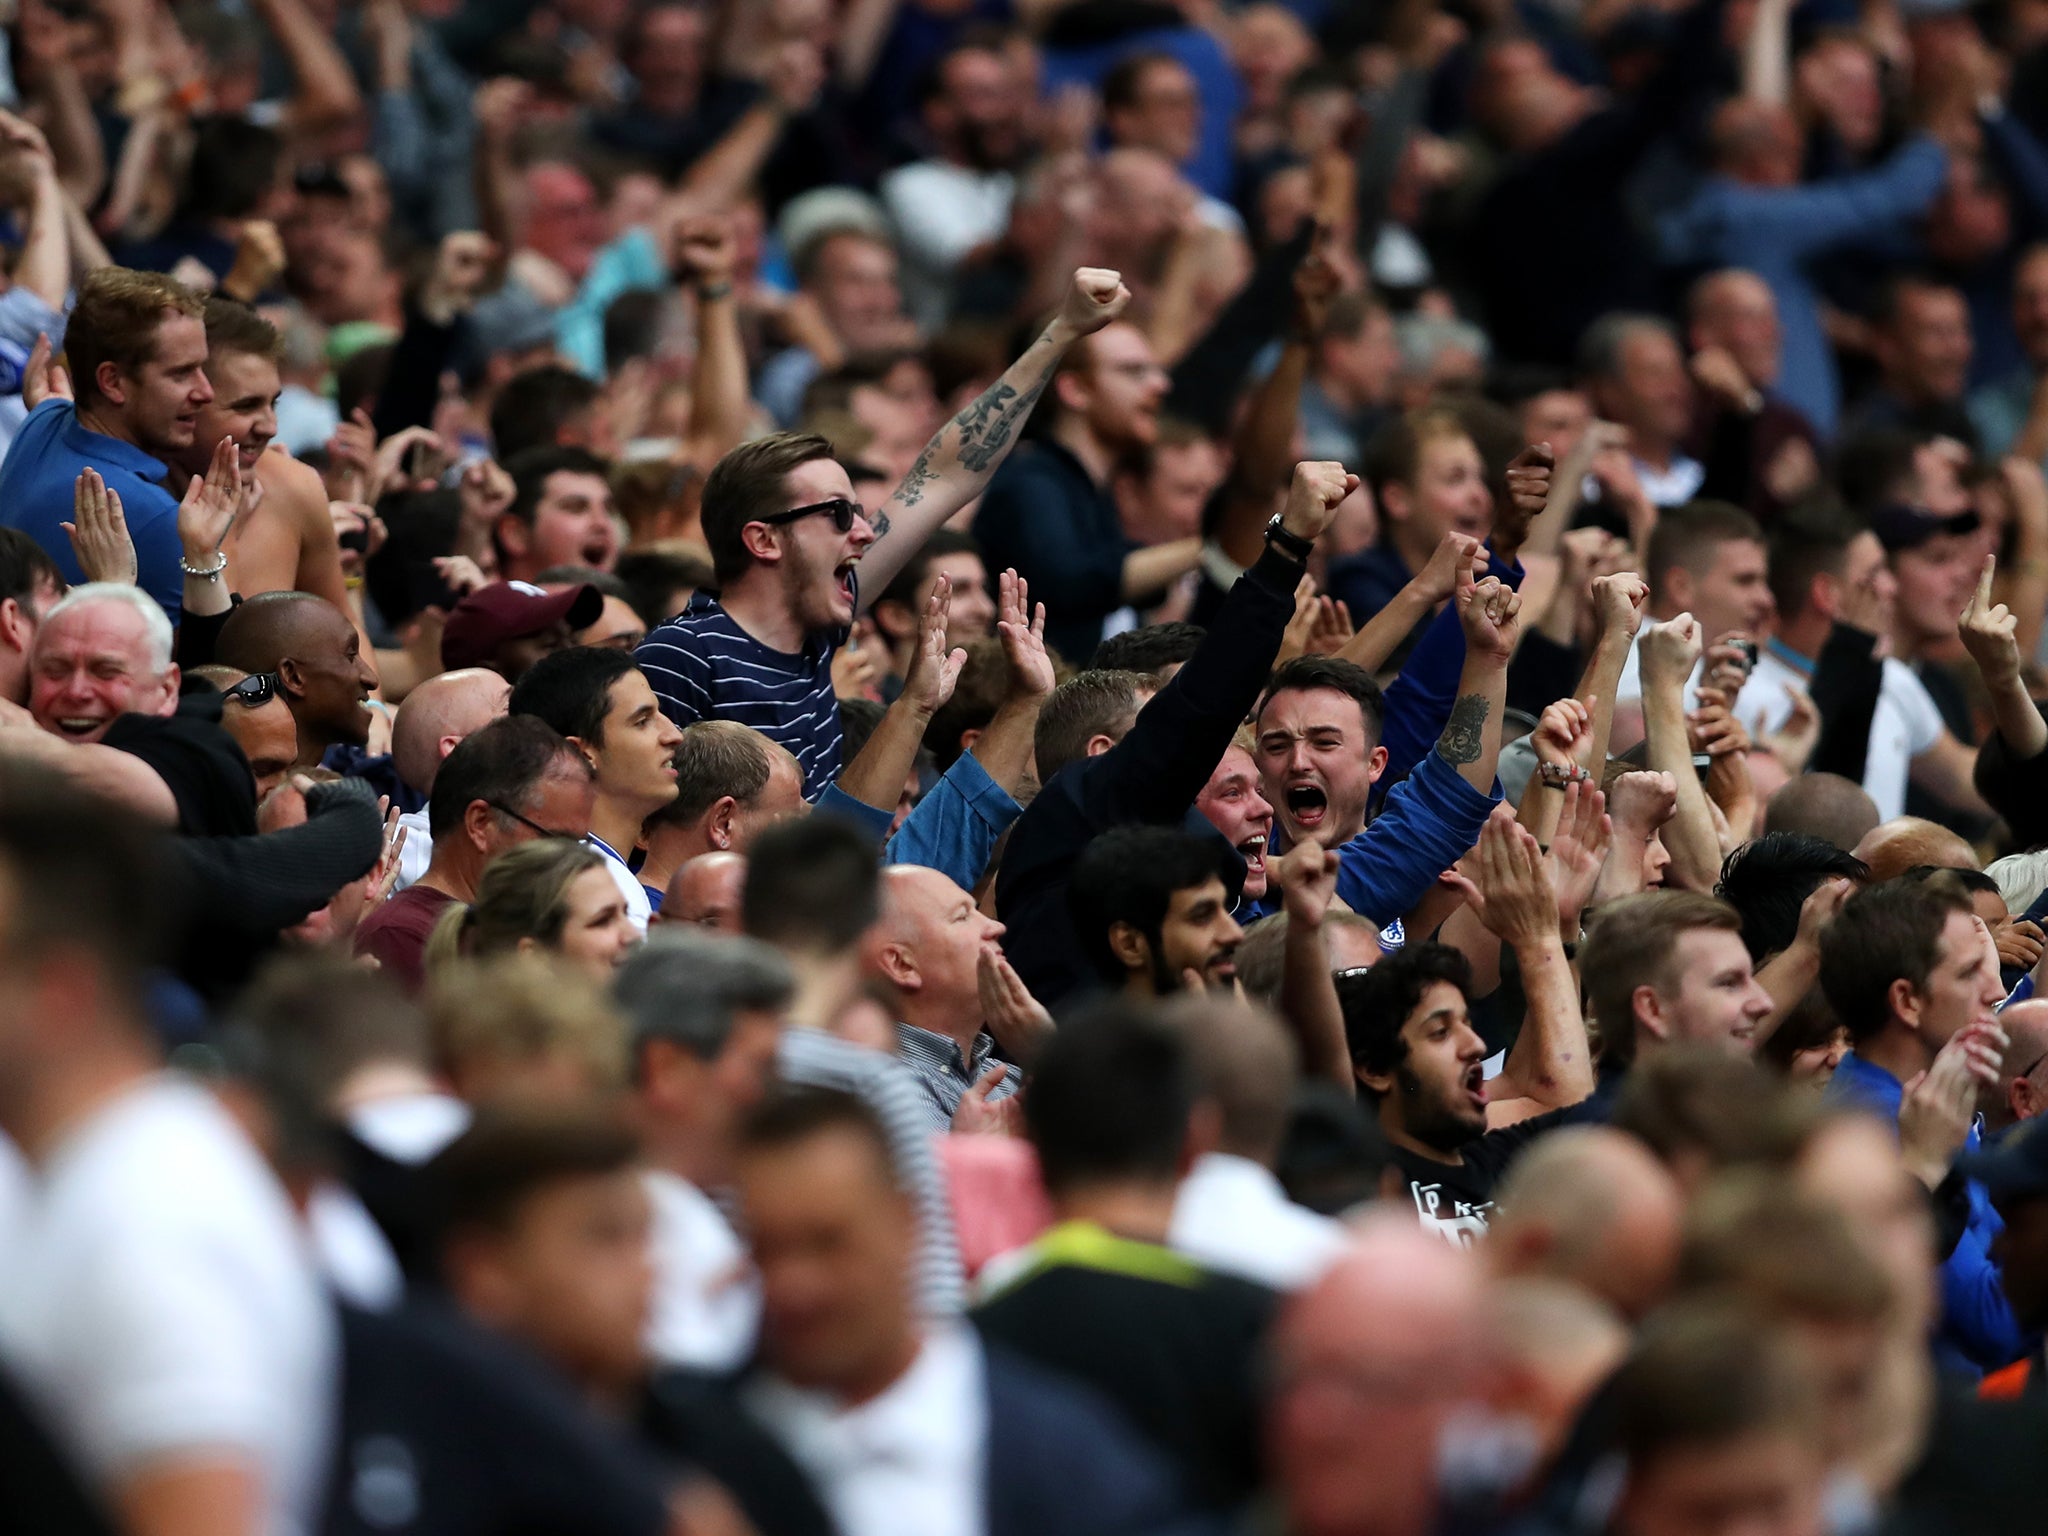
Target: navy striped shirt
column 703, row 666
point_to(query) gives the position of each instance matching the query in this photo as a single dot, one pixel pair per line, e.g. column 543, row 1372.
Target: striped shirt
column 703, row 666
column 945, row 1076
column 812, row 1059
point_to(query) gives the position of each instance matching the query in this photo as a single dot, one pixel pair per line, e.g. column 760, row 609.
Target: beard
column 1428, row 1118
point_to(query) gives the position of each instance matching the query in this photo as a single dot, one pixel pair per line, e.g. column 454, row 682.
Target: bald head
column 1401, row 1320
column 2022, row 1091
column 1823, row 805
column 706, row 891
column 272, row 626
column 1592, row 1207
column 1907, row 842
column 1756, row 142
column 438, row 714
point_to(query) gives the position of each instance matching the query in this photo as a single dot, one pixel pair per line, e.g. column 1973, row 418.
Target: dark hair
column 983, row 685
column 858, row 720
column 1808, row 1027
column 1691, row 535
column 1884, row 933
column 360, row 378
column 1120, row 85
column 1810, row 540
column 632, row 326
column 791, row 1114
column 1629, row 945
column 651, row 577
column 1875, row 465
column 25, row 568
column 1306, row 673
column 714, row 759
column 489, row 1173
column 534, row 406
column 944, row 541
column 500, row 763
column 1151, row 648
column 1394, row 451
column 531, row 467
column 687, row 987
column 746, row 486
column 811, row 883
column 1975, row 881
column 86, row 876
column 1130, row 874
column 1377, row 1002
column 235, row 327
column 234, row 167
column 1768, row 879
column 1086, row 705
column 571, row 690
column 1110, row 1099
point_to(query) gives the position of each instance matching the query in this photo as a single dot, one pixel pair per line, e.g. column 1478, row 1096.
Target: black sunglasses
column 842, row 512
column 254, row 691
column 529, row 823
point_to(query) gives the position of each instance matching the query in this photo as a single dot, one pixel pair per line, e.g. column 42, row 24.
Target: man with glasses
column 507, row 783
column 786, row 539
column 1052, row 513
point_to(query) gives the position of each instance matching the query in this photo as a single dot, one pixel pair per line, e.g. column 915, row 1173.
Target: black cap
column 2016, row 1164
column 1902, row 527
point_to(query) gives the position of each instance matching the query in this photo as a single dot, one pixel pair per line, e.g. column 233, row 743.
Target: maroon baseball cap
column 511, row 610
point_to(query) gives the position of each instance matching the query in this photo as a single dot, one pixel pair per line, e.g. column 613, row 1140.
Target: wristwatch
column 1288, row 543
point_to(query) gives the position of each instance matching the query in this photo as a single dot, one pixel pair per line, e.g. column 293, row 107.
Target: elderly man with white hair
column 103, row 712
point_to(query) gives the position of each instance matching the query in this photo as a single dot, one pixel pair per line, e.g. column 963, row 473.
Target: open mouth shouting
column 1307, row 806
column 1474, row 1084
column 1253, row 849
column 79, row 727
column 842, row 578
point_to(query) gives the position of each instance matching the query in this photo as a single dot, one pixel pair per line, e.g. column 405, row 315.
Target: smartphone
column 1701, row 762
column 357, row 539
column 1748, row 649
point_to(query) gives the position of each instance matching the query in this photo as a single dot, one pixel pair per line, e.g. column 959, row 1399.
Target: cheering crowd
column 1023, row 767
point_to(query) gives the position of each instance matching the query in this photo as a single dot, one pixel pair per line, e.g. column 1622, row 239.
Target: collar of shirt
column 928, row 1052
column 930, row 1422
column 103, row 450
column 1803, row 665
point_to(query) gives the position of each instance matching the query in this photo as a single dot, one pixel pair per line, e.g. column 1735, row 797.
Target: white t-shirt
column 707, row 1300
column 639, row 910
column 911, row 1461
column 1232, row 1215
column 157, row 1299
column 1905, row 723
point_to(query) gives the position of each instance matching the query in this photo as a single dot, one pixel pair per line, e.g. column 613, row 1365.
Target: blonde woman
column 548, row 896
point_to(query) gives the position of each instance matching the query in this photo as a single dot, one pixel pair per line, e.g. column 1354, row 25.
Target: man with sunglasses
column 505, row 784
column 786, row 538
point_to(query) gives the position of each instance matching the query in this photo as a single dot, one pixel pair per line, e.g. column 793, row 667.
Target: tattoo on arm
column 1460, row 741
column 985, row 429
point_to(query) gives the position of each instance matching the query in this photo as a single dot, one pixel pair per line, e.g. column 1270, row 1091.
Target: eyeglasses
column 253, row 691
column 529, row 823
column 841, row 511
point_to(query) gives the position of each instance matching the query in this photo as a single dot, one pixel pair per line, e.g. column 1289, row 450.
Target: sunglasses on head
column 254, row 691
column 841, row 511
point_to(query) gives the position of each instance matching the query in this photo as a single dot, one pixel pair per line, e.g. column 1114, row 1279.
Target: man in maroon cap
column 509, row 625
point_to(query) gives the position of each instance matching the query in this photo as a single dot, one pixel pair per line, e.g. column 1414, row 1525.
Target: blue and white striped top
column 703, row 666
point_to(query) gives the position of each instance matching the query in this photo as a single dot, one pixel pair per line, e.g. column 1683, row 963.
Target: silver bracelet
column 220, row 564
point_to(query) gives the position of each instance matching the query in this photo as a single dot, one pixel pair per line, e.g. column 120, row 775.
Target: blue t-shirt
column 703, row 666
column 38, row 484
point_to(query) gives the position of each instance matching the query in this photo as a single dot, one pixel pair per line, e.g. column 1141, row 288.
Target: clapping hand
column 1022, row 630
column 99, row 537
column 934, row 670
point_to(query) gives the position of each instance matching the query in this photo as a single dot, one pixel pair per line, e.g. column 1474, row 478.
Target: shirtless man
column 283, row 538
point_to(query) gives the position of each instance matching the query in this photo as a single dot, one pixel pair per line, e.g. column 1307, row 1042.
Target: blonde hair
column 524, row 894
column 514, row 1017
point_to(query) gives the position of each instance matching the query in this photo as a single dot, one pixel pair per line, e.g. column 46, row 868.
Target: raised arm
column 44, row 265
column 719, row 402
column 1433, row 584
column 960, row 460
column 1308, row 992
column 722, row 173
column 1004, row 747
column 876, row 776
column 326, row 95
column 1487, row 612
column 1550, row 1063
column 1669, row 651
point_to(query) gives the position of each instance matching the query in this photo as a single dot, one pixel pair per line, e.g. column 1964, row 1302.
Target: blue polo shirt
column 38, row 483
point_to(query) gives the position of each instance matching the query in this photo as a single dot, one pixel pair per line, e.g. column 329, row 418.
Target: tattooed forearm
column 974, row 441
column 987, row 426
column 1460, row 742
